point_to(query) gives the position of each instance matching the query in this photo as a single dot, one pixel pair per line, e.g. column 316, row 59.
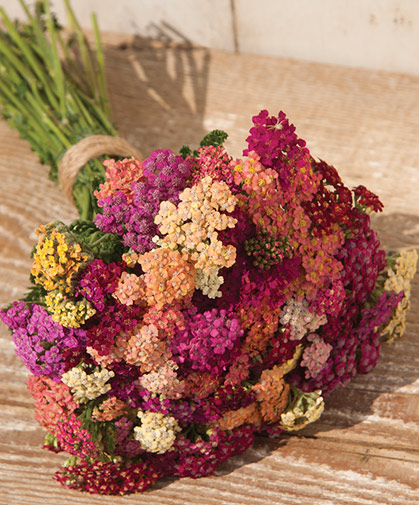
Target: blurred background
column 374, row 34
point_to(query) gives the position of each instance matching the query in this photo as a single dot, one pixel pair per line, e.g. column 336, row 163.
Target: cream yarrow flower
column 209, row 283
column 157, row 432
column 300, row 318
column 84, row 386
column 401, row 268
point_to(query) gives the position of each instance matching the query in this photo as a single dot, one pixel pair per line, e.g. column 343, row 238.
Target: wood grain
column 365, row 448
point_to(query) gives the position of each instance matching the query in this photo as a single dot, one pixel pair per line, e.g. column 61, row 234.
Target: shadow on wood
column 158, row 92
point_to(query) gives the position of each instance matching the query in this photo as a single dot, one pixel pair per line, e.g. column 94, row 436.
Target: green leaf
column 214, row 138
column 185, row 151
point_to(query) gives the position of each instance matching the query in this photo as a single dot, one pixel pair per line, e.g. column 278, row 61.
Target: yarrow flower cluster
column 56, row 259
column 215, row 299
column 84, row 386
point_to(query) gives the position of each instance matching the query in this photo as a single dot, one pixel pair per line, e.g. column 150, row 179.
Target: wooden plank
column 364, row 449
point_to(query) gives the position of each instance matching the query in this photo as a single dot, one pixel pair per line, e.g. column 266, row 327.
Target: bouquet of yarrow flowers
column 208, row 300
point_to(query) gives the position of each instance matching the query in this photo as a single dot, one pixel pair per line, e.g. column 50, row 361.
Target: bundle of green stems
column 53, row 91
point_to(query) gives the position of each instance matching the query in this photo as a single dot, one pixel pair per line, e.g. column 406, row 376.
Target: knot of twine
column 87, row 149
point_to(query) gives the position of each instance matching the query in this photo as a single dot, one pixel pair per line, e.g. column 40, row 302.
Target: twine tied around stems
column 87, row 149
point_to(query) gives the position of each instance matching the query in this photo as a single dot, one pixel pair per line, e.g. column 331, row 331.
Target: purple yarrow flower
column 165, row 175
column 46, row 347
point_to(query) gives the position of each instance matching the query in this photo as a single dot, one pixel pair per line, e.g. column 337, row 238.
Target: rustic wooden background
column 365, row 448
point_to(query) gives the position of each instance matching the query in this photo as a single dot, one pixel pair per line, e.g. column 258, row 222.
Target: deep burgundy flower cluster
column 98, row 281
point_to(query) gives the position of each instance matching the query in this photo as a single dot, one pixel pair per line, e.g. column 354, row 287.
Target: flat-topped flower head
column 68, row 312
column 87, row 386
column 120, row 176
column 46, row 347
column 157, row 432
column 131, row 214
column 57, row 258
column 192, row 227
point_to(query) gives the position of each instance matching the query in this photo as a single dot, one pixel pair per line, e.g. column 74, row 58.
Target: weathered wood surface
column 365, row 448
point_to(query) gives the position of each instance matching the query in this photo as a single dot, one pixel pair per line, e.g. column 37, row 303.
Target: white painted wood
column 375, row 34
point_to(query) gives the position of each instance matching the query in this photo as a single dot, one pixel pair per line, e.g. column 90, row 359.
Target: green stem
column 20, row 107
column 101, row 70
column 13, row 61
column 26, row 10
column 57, row 72
column 84, row 50
column 29, row 57
column 100, row 240
column 44, row 115
column 73, row 73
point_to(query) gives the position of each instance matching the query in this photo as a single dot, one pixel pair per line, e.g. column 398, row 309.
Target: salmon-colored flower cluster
column 216, row 299
column 144, row 348
column 164, row 381
column 243, row 415
column 109, row 409
column 271, row 393
column 55, row 411
column 256, row 180
column 120, row 176
column 169, row 277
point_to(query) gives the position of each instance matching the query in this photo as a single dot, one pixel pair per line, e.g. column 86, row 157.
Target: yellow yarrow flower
column 67, row 312
column 57, row 260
